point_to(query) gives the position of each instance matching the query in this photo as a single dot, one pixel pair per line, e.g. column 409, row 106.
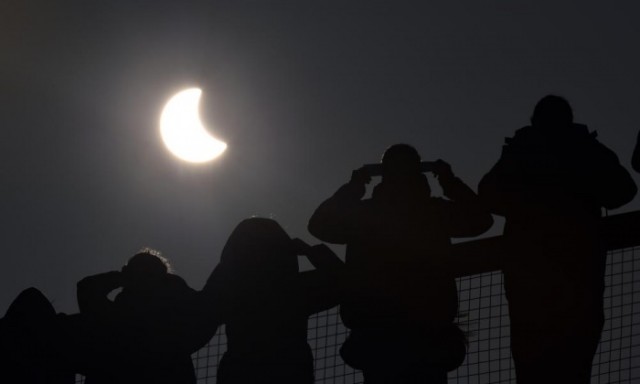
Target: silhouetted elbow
column 485, row 222
column 81, row 293
column 476, row 226
column 82, row 286
column 622, row 197
column 317, row 229
column 619, row 190
column 325, row 232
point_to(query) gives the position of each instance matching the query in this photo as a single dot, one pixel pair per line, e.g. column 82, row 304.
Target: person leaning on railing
column 401, row 297
column 265, row 302
column 148, row 332
column 551, row 183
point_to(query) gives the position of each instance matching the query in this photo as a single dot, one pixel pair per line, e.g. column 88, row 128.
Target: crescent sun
column 182, row 131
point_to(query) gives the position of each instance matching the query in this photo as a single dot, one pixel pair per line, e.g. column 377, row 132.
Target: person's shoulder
column 578, row 133
column 176, row 280
column 176, row 283
column 521, row 135
column 588, row 138
column 581, row 130
column 525, row 131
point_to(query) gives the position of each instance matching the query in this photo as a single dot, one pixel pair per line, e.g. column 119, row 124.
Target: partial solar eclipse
column 183, row 132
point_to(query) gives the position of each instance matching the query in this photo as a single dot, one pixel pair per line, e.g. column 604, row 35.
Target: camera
column 376, row 169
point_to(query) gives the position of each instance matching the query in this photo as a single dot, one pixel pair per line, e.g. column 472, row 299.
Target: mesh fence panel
column 484, row 315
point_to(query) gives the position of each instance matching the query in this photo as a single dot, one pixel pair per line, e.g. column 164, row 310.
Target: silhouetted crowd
column 396, row 288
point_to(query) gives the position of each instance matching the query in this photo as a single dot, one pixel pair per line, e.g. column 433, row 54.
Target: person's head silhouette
column 31, row 309
column 401, row 170
column 400, row 161
column 552, row 111
column 145, row 270
column 260, row 247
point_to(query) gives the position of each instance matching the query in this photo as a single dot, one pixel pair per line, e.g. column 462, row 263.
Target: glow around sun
column 182, row 131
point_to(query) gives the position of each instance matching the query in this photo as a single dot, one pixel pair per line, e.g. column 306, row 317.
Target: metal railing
column 482, row 301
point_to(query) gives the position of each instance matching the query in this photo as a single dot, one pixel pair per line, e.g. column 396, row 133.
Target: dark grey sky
column 302, row 91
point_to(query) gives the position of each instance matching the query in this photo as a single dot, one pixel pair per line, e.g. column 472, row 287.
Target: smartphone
column 376, row 169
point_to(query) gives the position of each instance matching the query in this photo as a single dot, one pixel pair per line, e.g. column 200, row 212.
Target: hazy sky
column 303, row 92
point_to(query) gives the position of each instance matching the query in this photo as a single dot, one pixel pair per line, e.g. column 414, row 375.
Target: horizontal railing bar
column 486, row 255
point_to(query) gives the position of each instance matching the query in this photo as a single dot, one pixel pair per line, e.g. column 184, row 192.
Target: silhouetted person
column 34, row 348
column 265, row 303
column 635, row 158
column 402, row 297
column 148, row 332
column 550, row 184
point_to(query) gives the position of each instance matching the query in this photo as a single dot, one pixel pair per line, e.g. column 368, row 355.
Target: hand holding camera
column 439, row 168
column 362, row 175
column 442, row 170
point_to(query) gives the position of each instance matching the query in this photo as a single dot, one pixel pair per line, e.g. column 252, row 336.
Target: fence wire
column 484, row 315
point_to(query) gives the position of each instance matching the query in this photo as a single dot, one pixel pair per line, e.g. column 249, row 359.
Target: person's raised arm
column 335, row 219
column 466, row 216
column 320, row 256
column 92, row 292
column 322, row 288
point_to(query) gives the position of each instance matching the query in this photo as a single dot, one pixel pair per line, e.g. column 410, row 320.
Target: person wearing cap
column 401, row 297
